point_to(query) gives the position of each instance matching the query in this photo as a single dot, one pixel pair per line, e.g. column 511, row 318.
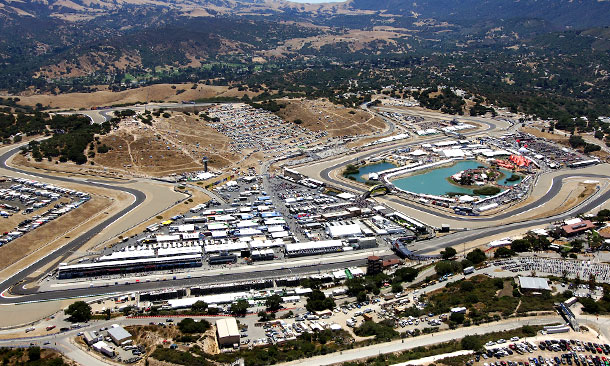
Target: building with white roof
column 227, row 332
column 119, row 335
column 343, row 231
column 453, row 153
column 313, row 247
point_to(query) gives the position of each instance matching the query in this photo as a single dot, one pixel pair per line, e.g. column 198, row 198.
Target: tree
column 263, row 316
column 589, row 305
column 354, row 286
column 79, row 311
column 274, row 303
column 405, row 274
column 239, row 308
column 466, row 286
column 503, row 252
column 34, row 353
column 472, row 343
column 189, row 325
column 446, row 267
column 528, row 330
column 317, row 301
column 457, row 318
column 448, row 253
column 396, row 288
column 361, row 297
column 520, row 246
column 199, row 307
column 476, row 256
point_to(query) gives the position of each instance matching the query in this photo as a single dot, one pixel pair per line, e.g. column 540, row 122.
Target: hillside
column 548, row 56
column 569, row 13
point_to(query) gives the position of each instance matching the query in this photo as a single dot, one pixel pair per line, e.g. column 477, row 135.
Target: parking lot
column 559, row 349
column 262, row 219
column 22, row 202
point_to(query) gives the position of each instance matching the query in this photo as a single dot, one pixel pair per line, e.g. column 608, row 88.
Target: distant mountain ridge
column 563, row 13
column 570, row 13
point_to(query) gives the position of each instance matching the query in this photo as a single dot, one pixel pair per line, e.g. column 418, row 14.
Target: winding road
column 60, row 253
column 27, row 295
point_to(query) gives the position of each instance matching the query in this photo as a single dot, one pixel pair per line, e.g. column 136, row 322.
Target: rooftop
column 534, row 283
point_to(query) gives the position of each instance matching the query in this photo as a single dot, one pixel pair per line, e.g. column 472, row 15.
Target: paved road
column 60, row 253
column 426, row 340
column 425, row 246
column 102, row 115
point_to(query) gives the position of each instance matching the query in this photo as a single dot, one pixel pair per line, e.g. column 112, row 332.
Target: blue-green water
column 374, row 168
column 435, row 181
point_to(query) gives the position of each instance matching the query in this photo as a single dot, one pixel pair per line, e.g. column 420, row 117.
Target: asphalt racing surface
column 555, row 189
column 56, row 255
column 28, row 295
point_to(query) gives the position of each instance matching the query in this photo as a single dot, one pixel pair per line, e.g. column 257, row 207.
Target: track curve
column 420, row 247
column 139, row 197
column 553, row 191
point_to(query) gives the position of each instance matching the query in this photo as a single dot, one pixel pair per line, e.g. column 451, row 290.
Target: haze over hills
column 507, row 50
column 573, row 13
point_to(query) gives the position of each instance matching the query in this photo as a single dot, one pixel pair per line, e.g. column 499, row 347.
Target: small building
column 534, row 284
column 577, row 228
column 373, row 265
column 227, row 332
column 344, row 231
column 91, row 337
column 367, row 243
column 119, row 335
column 103, row 348
column 390, row 262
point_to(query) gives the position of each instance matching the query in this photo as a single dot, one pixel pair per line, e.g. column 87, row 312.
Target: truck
column 468, row 270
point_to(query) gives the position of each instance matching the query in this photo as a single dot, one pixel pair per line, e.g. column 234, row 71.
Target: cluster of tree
column 487, row 191
column 578, row 142
column 447, row 266
column 239, row 308
column 71, row 136
column 383, row 331
column 317, row 301
column 602, row 306
column 305, row 346
column 21, row 123
column 477, row 294
column 371, row 284
column 268, row 105
column 78, row 311
column 30, row 356
column 446, row 101
column 189, row 326
column 504, row 252
column 480, row 110
column 529, row 243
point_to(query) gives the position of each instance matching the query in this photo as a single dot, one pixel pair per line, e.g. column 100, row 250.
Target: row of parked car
column 569, row 357
column 34, row 195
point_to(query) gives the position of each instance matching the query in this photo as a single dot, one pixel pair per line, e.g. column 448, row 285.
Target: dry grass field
column 171, row 145
column 53, row 234
column 160, row 92
column 321, row 115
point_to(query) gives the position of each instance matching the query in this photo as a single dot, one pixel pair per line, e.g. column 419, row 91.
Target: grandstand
column 111, row 267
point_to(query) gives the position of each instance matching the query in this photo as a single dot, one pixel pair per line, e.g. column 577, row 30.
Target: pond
column 435, row 181
column 373, row 168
